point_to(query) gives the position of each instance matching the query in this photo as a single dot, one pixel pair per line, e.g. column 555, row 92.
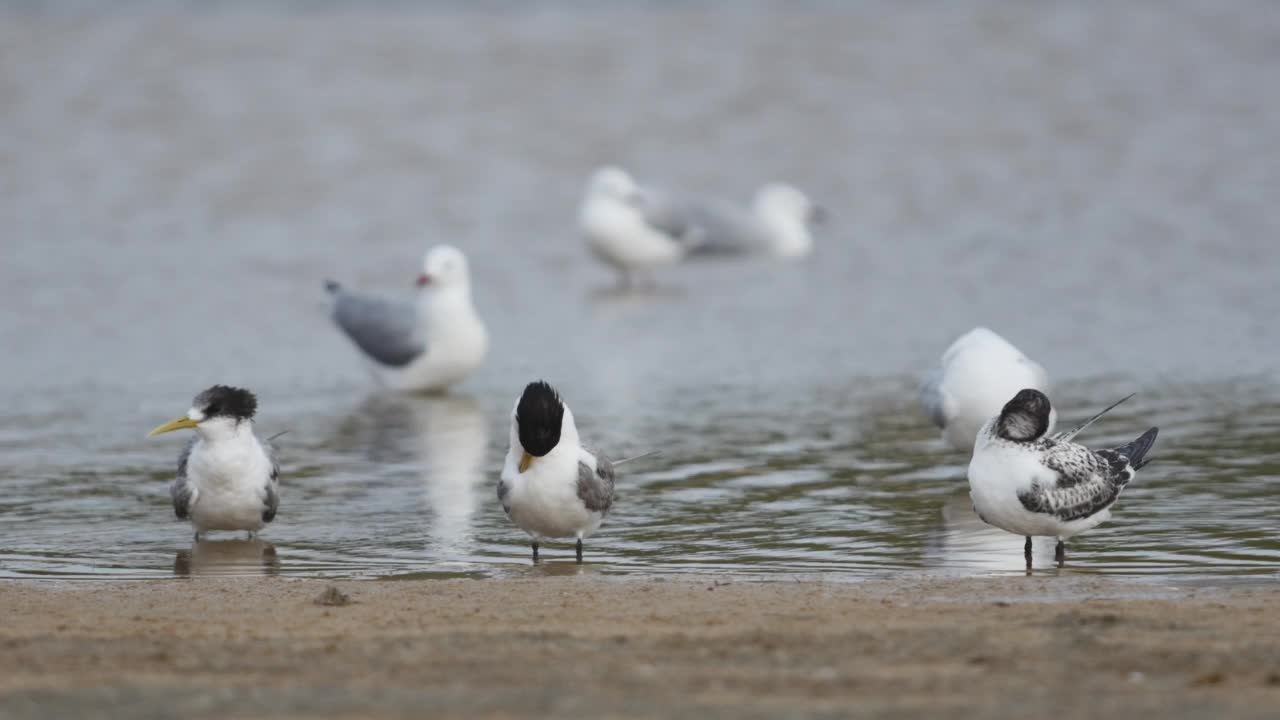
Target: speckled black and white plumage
column 1031, row 484
column 1088, row 481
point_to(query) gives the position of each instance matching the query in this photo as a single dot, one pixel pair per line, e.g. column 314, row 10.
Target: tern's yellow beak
column 525, row 459
column 178, row 423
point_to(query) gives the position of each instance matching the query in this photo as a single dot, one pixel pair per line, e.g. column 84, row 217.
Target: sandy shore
column 591, row 647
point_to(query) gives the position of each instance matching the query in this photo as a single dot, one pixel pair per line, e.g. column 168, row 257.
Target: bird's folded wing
column 182, row 492
column 595, row 487
column 271, row 501
column 724, row 230
column 1085, row 484
column 385, row 331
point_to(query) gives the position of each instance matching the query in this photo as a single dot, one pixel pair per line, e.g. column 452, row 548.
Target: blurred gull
column 425, row 346
column 228, row 479
column 625, row 231
column 978, row 374
column 636, row 228
column 779, row 222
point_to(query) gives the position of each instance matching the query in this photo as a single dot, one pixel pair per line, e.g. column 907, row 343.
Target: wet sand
column 592, row 647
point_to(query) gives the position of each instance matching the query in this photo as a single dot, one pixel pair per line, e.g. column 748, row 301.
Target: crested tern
column 552, row 486
column 228, row 479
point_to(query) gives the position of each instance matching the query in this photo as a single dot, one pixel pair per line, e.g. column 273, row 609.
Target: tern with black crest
column 1029, row 483
column 228, row 478
column 551, row 485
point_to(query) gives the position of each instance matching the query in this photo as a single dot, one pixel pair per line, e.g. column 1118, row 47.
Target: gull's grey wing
column 662, row 212
column 595, row 488
column 720, row 229
column 934, row 399
column 385, row 331
column 272, row 501
column 1087, row 481
column 181, row 491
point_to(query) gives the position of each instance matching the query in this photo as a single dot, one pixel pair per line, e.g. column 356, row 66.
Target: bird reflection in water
column 446, row 437
column 227, row 557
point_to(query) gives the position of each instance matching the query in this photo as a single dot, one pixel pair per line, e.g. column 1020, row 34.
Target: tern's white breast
column 231, row 476
column 544, row 499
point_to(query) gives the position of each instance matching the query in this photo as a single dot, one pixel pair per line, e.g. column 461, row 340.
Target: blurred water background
column 1096, row 182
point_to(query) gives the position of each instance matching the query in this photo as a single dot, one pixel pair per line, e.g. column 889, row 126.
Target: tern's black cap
column 226, row 401
column 538, row 417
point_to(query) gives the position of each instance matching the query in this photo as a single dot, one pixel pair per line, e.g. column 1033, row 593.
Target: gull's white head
column 444, row 266
column 789, row 214
column 540, row 422
column 215, row 412
column 613, row 183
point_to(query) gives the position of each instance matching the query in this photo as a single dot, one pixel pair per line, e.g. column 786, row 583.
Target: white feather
column 979, row 373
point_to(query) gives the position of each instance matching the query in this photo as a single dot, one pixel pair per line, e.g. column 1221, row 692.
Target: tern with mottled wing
column 1025, row 481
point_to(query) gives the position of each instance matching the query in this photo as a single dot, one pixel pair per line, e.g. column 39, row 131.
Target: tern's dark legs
column 579, row 551
column 535, row 552
column 1060, row 553
column 1026, row 550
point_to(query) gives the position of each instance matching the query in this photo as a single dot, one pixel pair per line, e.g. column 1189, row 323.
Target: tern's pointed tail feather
column 1137, row 450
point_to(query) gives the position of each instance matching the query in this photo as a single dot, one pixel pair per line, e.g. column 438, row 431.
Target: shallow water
column 177, row 184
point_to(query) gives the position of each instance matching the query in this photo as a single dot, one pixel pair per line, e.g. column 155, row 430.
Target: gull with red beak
column 424, row 346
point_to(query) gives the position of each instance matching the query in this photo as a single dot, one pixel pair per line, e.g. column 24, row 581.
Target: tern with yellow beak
column 551, row 486
column 228, row 479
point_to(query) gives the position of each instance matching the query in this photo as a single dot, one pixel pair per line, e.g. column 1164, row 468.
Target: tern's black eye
column 212, row 409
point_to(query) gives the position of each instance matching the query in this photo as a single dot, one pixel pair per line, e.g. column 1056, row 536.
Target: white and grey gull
column 626, row 231
column 1025, row 481
column 636, row 228
column 428, row 345
column 979, row 372
column 551, row 485
column 228, row 478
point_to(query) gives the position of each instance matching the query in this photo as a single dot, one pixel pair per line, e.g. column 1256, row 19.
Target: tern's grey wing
column 272, row 501
column 1087, row 482
column 385, row 331
column 181, row 491
column 504, row 491
column 934, row 399
column 595, row 488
